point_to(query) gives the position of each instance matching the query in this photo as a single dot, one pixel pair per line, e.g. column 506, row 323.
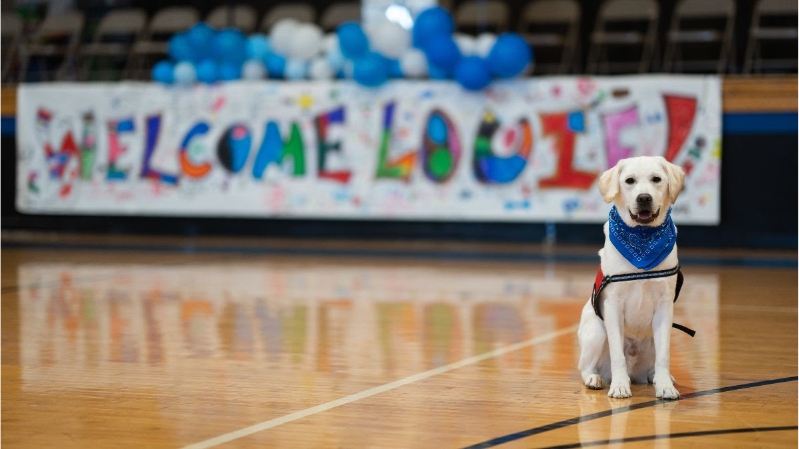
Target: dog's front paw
column 594, row 382
column 619, row 391
column 666, row 392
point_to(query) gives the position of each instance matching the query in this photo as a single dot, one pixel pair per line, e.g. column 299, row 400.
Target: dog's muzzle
column 644, row 213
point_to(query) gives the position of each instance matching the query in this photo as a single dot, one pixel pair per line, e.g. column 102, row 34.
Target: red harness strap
column 601, row 281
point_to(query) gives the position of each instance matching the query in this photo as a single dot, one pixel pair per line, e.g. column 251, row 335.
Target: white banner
column 523, row 150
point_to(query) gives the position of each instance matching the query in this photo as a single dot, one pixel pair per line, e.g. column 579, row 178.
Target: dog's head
column 642, row 188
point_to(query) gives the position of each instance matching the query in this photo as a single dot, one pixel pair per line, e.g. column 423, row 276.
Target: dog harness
column 602, row 281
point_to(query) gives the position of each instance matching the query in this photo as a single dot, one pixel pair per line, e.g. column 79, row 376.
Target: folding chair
column 338, row 13
column 696, row 26
column 552, row 27
column 623, row 25
column 51, row 49
column 11, row 28
column 301, row 12
column 774, row 36
column 480, row 16
column 154, row 42
column 242, row 17
column 111, row 44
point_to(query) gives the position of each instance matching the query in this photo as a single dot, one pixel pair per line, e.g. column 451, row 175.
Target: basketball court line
column 669, row 436
column 260, row 427
column 627, row 408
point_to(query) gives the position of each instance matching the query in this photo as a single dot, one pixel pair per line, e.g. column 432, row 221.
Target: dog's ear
column 609, row 183
column 676, row 178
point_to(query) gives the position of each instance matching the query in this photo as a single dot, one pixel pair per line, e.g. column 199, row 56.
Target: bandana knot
column 643, row 246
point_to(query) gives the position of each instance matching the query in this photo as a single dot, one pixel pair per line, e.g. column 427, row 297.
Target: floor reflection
column 315, row 318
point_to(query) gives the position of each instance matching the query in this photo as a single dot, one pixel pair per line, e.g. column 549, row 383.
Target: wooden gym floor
column 120, row 342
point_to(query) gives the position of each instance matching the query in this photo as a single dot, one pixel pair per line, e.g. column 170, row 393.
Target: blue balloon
column 296, row 69
column 207, row 71
column 473, row 73
column 275, row 65
column 395, row 69
column 442, row 51
column 430, row 23
column 437, row 73
column 185, row 73
column 371, row 70
column 163, row 72
column 201, row 37
column 180, row 48
column 510, row 55
column 230, row 45
column 258, row 46
column 229, row 71
column 352, row 40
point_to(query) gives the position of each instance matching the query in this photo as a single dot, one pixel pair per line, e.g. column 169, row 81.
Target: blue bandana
column 643, row 246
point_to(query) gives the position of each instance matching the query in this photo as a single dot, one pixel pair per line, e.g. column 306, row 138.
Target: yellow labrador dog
column 625, row 329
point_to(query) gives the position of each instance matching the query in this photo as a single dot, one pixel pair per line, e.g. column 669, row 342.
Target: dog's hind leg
column 593, row 347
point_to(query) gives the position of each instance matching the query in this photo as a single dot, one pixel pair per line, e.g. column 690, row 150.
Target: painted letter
column 492, row 169
column 441, row 148
column 322, row 123
column 680, row 112
column 191, row 169
column 557, row 127
column 116, row 149
column 614, row 123
column 397, row 169
column 153, row 127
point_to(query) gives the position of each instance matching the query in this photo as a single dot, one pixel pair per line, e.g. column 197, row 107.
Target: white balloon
column 185, row 73
column 390, row 40
column 321, row 70
column 253, row 70
column 414, row 63
column 466, row 44
column 335, row 59
column 485, row 42
column 281, row 35
column 330, row 43
column 306, row 42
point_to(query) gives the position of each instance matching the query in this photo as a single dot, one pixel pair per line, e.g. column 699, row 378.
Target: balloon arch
column 296, row 51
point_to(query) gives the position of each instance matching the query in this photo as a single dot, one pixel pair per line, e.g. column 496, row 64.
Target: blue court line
column 669, row 436
column 628, row 408
column 428, row 255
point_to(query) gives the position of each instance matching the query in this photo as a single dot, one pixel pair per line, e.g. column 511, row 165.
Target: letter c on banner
column 441, row 148
column 191, row 169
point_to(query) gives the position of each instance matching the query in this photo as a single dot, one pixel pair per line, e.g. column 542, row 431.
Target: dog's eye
column 630, row 181
column 656, row 179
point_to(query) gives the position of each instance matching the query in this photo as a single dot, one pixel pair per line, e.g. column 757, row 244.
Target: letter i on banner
column 563, row 127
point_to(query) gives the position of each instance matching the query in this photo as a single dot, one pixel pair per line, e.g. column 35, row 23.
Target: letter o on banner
column 441, row 148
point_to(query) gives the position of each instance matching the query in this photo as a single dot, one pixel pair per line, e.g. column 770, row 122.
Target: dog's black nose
column 644, row 198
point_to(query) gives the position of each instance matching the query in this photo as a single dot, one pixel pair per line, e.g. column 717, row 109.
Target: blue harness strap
column 602, row 281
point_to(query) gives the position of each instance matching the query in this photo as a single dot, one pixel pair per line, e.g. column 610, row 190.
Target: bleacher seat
column 552, row 27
